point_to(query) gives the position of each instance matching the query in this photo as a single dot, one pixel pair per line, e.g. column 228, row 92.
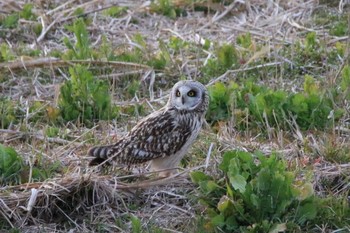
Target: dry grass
column 82, row 200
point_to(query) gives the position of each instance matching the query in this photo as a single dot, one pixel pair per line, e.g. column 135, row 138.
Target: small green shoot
column 136, row 226
column 167, row 8
column 81, row 49
column 226, row 58
column 26, row 12
column 10, row 21
column 8, row 113
column 6, row 54
column 115, row 11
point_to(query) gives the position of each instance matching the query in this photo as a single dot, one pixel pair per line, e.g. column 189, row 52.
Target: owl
column 162, row 137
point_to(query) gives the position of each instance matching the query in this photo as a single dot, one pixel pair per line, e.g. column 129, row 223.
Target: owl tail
column 100, row 153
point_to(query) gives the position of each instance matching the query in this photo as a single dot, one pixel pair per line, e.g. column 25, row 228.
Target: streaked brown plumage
column 164, row 136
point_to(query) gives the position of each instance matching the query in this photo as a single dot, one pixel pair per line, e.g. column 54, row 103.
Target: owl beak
column 183, row 100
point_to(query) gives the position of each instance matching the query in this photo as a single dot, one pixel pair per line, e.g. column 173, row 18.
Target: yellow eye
column 191, row 93
column 177, row 94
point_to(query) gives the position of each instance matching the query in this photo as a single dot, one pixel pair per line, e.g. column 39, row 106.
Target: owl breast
column 192, row 124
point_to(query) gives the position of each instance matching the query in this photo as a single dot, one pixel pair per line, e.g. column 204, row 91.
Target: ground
column 138, row 50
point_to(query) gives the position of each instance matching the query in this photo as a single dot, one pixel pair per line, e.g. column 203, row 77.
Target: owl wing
column 159, row 135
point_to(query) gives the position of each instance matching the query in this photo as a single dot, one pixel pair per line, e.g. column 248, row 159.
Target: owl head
column 189, row 95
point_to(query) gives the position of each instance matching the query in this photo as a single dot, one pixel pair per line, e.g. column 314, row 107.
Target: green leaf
column 345, row 81
column 26, row 12
column 224, row 204
column 226, row 160
column 281, row 227
column 310, row 85
column 135, row 225
column 305, row 191
column 306, row 212
column 237, row 181
column 10, row 165
column 218, row 220
column 198, row 176
column 208, row 186
column 10, row 21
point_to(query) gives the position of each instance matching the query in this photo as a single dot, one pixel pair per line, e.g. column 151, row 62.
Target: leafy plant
column 345, row 81
column 167, row 8
column 340, row 28
column 81, row 49
column 221, row 99
column 8, row 113
column 10, row 21
column 257, row 194
column 6, row 54
column 26, row 12
column 44, row 169
column 115, row 11
column 334, row 213
column 226, row 58
column 11, row 165
column 85, row 99
column 135, row 225
column 260, row 105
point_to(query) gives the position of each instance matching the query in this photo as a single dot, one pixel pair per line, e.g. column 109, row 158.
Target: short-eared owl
column 165, row 135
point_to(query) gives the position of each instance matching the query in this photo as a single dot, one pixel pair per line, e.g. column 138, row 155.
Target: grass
column 280, row 87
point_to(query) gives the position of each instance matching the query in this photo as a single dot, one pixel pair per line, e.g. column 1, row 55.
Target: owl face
column 187, row 95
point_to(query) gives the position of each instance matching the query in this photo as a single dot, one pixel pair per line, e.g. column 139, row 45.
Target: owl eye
column 191, row 93
column 177, row 93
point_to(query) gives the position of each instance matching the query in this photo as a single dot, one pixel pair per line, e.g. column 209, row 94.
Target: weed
column 345, row 81
column 177, row 44
column 334, row 213
column 11, row 165
column 226, row 58
column 26, row 12
column 310, row 109
column 221, row 99
column 257, row 194
column 52, row 131
column 44, row 169
column 6, row 54
column 135, row 225
column 167, row 8
column 8, row 113
column 10, row 21
column 115, row 11
column 81, row 49
column 85, row 99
